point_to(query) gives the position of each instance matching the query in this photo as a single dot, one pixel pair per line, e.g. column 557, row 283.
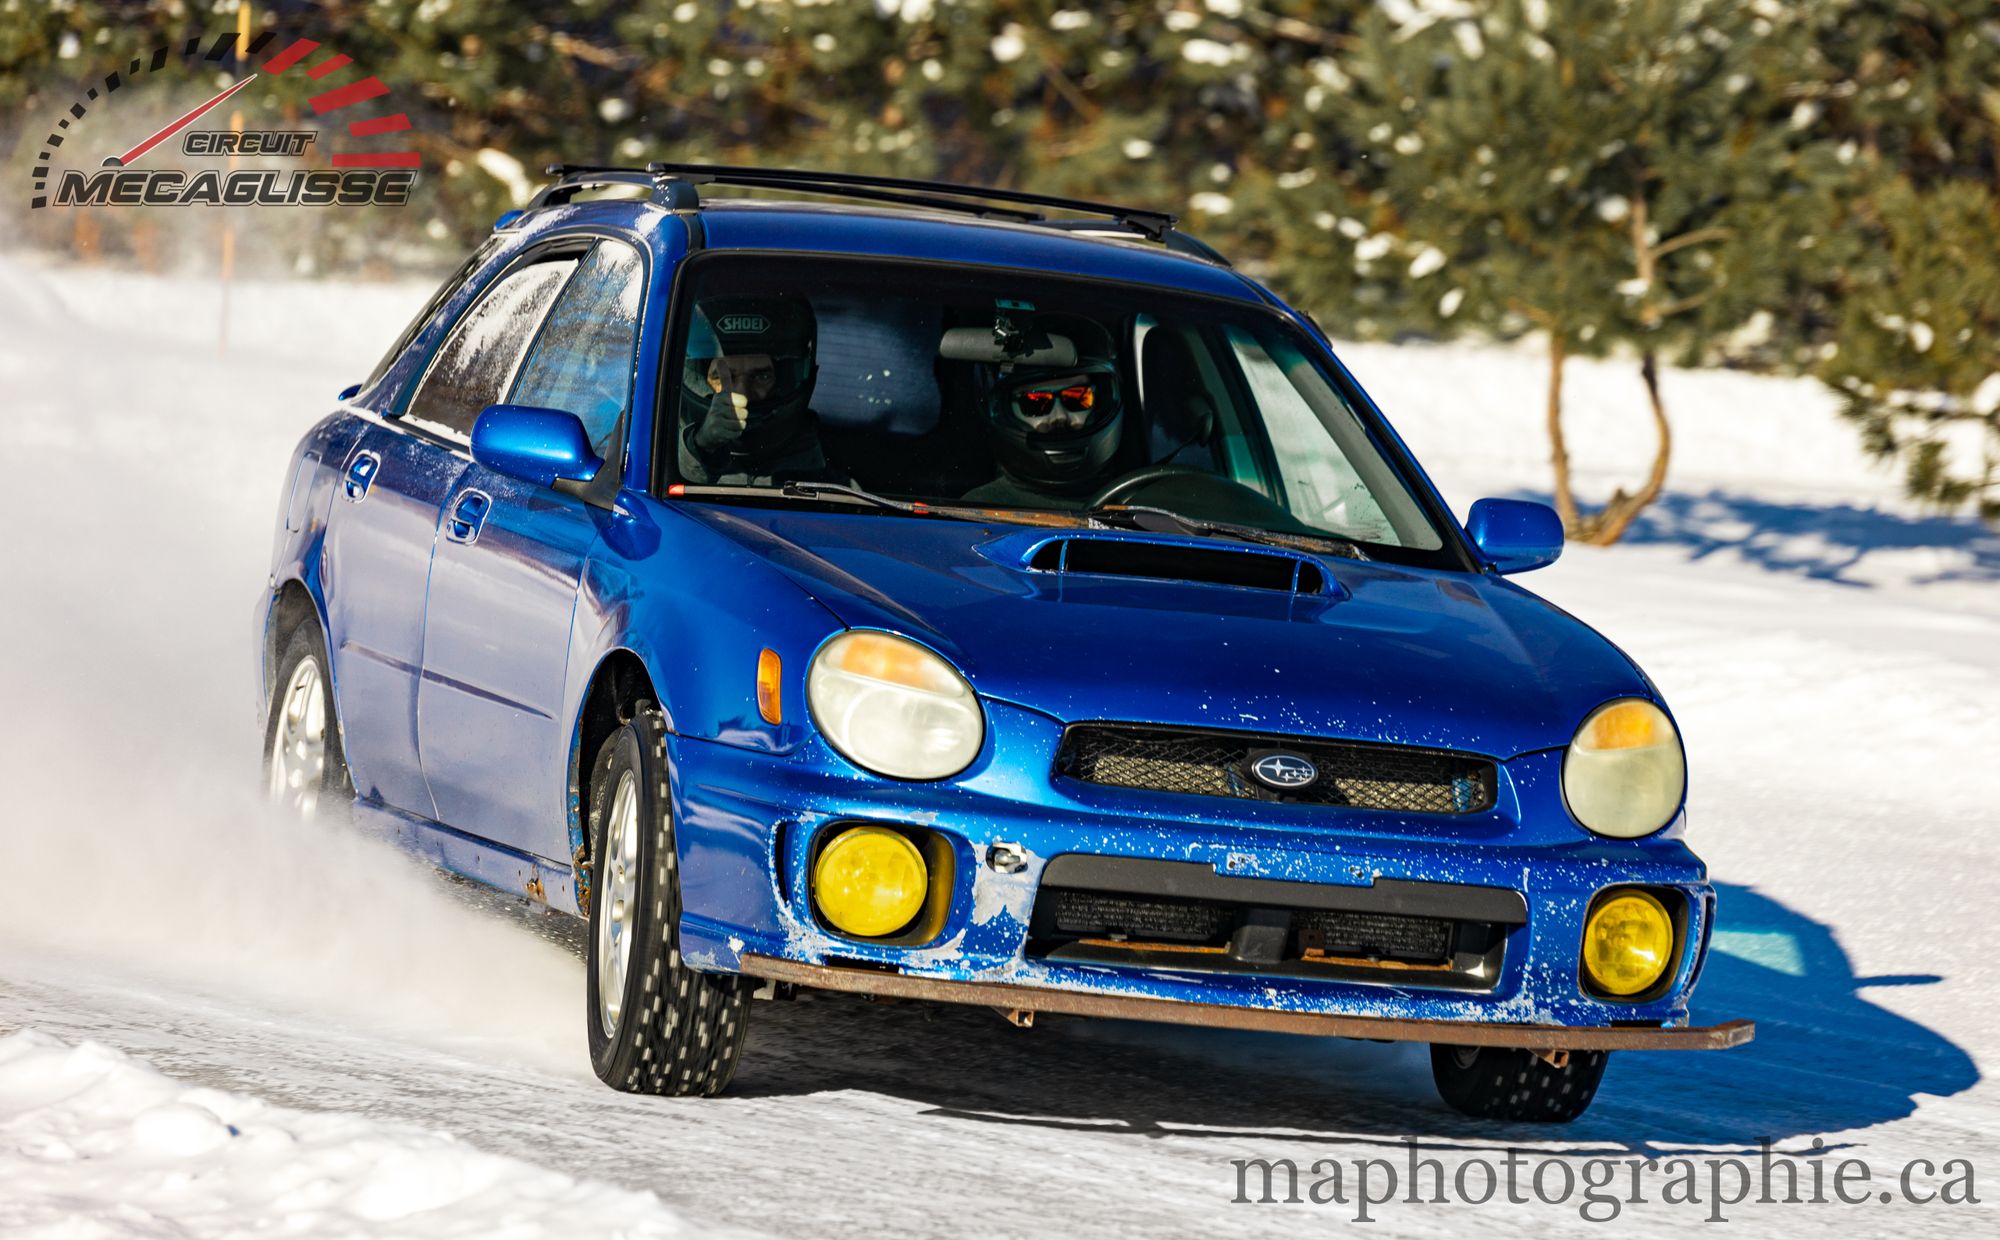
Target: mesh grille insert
column 1214, row 763
column 1389, row 935
column 1097, row 912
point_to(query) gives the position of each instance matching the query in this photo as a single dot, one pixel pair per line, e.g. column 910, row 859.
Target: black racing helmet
column 1058, row 426
column 780, row 326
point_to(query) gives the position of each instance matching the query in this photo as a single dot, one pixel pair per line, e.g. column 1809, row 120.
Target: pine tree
column 1914, row 93
column 1919, row 356
column 1612, row 175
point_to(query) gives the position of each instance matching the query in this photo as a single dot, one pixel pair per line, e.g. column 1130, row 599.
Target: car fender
column 697, row 611
column 299, row 541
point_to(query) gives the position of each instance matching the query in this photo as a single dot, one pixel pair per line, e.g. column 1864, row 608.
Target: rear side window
column 582, row 361
column 431, row 307
column 477, row 362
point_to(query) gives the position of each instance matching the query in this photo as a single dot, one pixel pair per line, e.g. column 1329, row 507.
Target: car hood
column 1384, row 653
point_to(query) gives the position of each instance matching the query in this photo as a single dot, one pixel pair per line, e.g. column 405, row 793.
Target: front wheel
column 656, row 1026
column 1494, row 1082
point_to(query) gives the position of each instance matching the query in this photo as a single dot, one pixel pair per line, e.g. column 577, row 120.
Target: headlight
column 1624, row 773
column 1628, row 942
column 869, row 881
column 892, row 706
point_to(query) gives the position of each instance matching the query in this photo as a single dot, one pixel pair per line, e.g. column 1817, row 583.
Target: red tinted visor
column 1076, row 398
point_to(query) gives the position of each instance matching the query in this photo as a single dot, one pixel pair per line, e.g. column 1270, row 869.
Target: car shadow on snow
column 1826, row 1060
column 1824, row 542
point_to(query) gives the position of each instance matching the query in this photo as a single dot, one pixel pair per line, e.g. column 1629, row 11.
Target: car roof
column 921, row 235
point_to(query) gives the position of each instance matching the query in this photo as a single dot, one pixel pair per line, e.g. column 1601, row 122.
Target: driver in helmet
column 1053, row 430
column 747, row 381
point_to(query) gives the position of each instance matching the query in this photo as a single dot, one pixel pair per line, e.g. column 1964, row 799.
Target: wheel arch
column 292, row 605
column 619, row 683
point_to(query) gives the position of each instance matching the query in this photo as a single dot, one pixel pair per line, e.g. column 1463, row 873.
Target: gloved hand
column 722, row 427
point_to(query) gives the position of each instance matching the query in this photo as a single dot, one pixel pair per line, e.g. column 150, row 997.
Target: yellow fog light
column 1628, row 942
column 869, row 881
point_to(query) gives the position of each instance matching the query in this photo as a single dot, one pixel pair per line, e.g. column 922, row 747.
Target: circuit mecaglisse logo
column 375, row 166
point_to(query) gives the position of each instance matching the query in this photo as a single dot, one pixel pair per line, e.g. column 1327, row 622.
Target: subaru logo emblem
column 1283, row 771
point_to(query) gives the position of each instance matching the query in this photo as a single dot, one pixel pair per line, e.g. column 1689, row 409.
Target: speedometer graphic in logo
column 89, row 160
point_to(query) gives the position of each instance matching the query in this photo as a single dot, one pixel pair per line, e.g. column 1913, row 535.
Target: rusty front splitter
column 1175, row 1012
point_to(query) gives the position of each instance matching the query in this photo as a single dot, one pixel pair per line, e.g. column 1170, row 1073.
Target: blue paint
column 539, row 446
column 461, row 665
column 1515, row 535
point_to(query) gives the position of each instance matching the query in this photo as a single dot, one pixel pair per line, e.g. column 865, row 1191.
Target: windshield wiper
column 1111, row 514
column 801, row 489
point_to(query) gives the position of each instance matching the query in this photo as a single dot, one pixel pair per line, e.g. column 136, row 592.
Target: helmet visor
column 1055, row 406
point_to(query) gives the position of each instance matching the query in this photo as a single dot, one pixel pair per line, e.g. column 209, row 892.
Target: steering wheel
column 1139, row 479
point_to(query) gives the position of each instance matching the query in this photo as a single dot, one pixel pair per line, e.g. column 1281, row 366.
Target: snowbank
column 94, row 1143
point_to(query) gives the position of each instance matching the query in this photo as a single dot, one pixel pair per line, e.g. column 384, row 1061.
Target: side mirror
column 542, row 446
column 1515, row 535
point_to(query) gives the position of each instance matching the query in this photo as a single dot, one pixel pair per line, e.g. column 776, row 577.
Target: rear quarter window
column 478, row 361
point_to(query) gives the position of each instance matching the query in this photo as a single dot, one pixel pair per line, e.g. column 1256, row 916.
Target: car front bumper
column 1018, row 1000
column 747, row 824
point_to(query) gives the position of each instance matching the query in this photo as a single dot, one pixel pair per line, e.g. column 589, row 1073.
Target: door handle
column 360, row 476
column 467, row 516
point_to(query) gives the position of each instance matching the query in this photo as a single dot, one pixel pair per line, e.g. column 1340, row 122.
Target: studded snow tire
column 675, row 1031
column 1491, row 1082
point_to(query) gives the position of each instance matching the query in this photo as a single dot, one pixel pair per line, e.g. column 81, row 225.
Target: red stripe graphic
column 327, row 66
column 381, row 124
column 378, row 159
column 180, row 124
column 290, row 56
column 355, row 92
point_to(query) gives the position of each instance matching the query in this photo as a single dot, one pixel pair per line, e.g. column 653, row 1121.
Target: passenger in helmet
column 746, row 386
column 1053, row 430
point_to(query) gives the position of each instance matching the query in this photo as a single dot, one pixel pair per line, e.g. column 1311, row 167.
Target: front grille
column 1387, row 936
column 1096, row 913
column 1217, row 764
column 1270, row 929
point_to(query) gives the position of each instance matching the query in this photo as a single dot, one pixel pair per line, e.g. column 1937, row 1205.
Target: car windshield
column 1035, row 397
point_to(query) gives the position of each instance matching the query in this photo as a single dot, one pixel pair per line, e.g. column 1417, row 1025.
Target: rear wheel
column 1493, row 1082
column 305, row 769
column 656, row 1026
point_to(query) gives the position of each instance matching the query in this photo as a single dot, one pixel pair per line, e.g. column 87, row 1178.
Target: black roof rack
column 1177, row 241
column 673, row 186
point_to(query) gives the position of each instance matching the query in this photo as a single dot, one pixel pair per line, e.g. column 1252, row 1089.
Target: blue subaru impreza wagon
column 971, row 596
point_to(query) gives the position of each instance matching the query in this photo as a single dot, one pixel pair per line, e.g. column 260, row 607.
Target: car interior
column 1223, row 416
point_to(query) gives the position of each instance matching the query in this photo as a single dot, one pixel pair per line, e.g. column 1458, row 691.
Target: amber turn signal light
column 770, row 671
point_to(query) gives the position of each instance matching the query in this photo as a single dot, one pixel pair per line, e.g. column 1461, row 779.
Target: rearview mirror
column 542, row 446
column 1515, row 535
column 977, row 344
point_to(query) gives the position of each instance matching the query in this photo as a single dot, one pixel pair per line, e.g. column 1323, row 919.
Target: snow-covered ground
column 1834, row 659
column 97, row 1143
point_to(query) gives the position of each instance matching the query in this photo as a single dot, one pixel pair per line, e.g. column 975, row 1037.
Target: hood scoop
column 1182, row 560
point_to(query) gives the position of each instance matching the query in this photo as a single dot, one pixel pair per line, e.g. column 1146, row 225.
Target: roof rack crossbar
column 1177, row 241
column 572, row 179
column 1154, row 224
column 941, row 195
column 870, row 194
